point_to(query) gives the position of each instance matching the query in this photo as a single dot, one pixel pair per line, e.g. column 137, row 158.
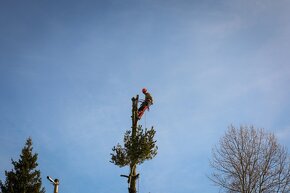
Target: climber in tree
column 145, row 104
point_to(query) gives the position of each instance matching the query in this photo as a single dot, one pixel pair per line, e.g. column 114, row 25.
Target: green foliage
column 136, row 149
column 24, row 178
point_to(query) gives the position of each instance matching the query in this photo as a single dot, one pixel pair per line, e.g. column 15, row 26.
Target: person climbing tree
column 148, row 101
column 139, row 146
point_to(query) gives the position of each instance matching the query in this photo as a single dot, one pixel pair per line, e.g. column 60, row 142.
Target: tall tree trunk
column 133, row 176
column 132, row 179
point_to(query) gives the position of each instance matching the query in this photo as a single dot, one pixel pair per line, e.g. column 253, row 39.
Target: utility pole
column 55, row 182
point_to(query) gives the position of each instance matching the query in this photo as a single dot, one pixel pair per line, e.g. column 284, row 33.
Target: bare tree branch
column 249, row 160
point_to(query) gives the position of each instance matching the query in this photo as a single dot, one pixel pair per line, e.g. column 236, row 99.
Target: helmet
column 144, row 90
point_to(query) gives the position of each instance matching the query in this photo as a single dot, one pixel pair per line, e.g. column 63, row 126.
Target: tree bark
column 133, row 176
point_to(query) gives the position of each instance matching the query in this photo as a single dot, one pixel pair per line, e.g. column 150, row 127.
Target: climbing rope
column 145, row 119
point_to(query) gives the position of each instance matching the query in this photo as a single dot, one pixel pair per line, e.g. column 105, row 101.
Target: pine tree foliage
column 24, row 178
column 139, row 145
column 136, row 149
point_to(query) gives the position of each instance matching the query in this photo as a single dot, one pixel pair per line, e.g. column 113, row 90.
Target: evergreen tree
column 24, row 178
column 139, row 146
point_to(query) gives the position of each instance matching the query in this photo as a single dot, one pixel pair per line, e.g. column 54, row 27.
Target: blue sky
column 68, row 70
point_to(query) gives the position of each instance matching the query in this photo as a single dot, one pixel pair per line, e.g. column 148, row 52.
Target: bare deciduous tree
column 249, row 160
